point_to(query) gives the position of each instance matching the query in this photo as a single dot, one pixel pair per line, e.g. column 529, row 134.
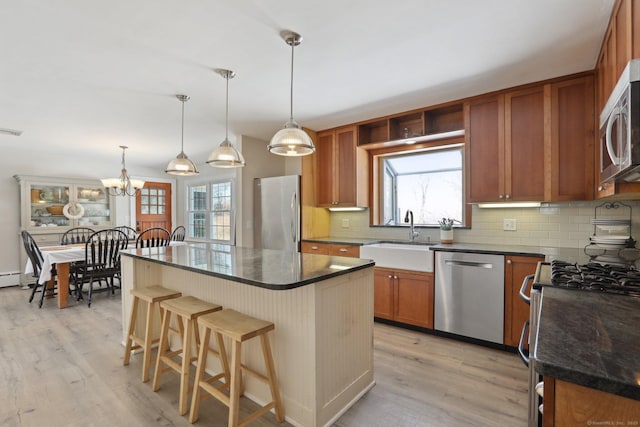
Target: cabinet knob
column 315, row 248
column 508, row 196
column 508, row 261
column 602, row 187
column 395, row 277
column 343, row 249
column 500, row 196
column 390, row 277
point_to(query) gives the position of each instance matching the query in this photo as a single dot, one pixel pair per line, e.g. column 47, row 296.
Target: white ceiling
column 87, row 75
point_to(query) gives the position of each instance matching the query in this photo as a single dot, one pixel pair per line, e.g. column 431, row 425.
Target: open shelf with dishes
column 612, row 227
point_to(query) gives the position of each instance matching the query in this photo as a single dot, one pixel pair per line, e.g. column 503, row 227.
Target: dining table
column 62, row 256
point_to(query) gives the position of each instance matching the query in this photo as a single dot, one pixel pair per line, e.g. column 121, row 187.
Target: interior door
column 153, row 206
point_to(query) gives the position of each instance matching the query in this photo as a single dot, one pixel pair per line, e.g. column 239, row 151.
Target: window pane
column 428, row 183
column 153, row 210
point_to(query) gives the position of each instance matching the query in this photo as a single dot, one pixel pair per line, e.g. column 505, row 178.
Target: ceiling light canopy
column 292, row 140
column 124, row 185
column 181, row 165
column 226, row 156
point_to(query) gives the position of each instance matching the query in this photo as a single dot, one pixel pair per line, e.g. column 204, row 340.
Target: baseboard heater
column 11, row 278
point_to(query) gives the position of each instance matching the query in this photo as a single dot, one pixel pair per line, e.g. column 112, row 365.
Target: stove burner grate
column 614, row 279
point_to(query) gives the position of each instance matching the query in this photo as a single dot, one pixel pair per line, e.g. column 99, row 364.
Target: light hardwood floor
column 64, row 368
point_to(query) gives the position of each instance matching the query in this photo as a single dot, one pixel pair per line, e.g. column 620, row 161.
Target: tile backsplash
column 565, row 225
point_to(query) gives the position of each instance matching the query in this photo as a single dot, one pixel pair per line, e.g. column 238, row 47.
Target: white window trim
column 209, row 211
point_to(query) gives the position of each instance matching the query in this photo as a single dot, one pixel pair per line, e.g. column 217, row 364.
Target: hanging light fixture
column 292, row 140
column 124, row 185
column 226, row 156
column 181, row 165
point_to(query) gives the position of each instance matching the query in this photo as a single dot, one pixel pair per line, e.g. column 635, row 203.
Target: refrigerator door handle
column 294, row 217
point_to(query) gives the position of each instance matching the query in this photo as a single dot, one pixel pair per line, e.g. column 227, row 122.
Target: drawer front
column 47, row 239
column 352, row 251
column 315, row 248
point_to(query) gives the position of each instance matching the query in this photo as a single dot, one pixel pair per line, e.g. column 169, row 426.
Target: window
column 429, row 183
column 210, row 212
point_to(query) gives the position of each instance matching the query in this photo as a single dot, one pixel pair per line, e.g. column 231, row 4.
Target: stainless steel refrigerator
column 276, row 213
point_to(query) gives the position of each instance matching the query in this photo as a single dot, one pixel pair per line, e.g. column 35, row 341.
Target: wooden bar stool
column 239, row 328
column 187, row 309
column 152, row 295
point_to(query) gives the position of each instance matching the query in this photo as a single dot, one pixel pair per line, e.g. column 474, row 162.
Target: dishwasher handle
column 523, row 336
column 523, row 296
column 469, row 263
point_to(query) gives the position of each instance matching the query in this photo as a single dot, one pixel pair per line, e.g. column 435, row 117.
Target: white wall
column 565, row 225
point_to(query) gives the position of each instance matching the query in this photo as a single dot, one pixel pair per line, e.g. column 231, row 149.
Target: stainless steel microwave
column 620, row 129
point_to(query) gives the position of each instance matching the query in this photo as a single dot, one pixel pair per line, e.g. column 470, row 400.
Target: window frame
column 376, row 214
column 209, row 211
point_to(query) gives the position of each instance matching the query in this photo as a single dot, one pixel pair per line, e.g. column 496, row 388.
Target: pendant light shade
column 292, row 140
column 181, row 165
column 226, row 156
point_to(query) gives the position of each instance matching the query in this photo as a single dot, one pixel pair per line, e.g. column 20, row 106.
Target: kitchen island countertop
column 265, row 268
column 591, row 339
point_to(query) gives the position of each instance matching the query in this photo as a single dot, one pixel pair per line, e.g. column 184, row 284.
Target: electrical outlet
column 345, row 223
column 509, row 225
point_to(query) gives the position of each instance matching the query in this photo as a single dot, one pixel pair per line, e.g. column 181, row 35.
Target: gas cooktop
column 593, row 276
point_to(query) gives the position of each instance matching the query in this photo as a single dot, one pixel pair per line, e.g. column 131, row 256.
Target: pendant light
column 292, row 140
column 123, row 185
column 181, row 165
column 226, row 156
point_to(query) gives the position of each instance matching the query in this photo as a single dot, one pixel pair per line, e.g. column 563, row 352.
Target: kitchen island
column 322, row 307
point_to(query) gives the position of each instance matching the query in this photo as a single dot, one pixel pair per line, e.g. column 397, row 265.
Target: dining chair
column 101, row 260
column 178, row 234
column 153, row 237
column 76, row 235
column 35, row 256
column 129, row 231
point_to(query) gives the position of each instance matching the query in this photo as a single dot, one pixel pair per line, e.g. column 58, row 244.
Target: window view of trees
column 210, row 208
column 428, row 183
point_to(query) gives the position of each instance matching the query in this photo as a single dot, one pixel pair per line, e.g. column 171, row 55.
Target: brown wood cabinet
column 333, row 249
column 533, row 144
column 506, row 147
column 403, row 296
column 516, row 311
column 342, row 169
column 567, row 404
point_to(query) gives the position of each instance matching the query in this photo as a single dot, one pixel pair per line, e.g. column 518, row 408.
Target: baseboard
column 11, row 278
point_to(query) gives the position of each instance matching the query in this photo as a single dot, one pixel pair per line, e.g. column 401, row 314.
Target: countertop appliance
column 620, row 128
column 618, row 279
column 276, row 213
column 469, row 295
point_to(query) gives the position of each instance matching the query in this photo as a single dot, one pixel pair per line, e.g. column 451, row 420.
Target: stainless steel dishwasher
column 469, row 295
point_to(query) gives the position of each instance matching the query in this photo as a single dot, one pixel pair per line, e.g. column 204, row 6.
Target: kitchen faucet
column 412, row 232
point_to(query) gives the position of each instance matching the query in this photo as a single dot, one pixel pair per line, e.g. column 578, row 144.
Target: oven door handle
column 526, row 298
column 523, row 336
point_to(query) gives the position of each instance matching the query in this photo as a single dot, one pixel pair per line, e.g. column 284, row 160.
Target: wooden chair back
column 153, row 237
column 129, row 231
column 76, row 235
column 33, row 252
column 178, row 234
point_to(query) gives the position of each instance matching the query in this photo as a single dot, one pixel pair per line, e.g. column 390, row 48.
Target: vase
column 446, row 236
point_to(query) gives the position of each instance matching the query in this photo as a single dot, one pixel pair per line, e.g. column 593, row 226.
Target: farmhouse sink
column 405, row 256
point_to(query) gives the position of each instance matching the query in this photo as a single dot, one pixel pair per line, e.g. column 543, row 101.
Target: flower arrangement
column 446, row 223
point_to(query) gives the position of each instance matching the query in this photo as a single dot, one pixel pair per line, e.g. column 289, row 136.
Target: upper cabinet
column 54, row 205
column 341, row 169
column 532, row 144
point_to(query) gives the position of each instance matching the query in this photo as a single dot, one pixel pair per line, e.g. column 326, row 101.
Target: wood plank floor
column 64, row 368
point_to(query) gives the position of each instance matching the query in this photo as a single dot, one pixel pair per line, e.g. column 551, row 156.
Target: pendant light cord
column 182, row 137
column 226, row 126
column 291, row 88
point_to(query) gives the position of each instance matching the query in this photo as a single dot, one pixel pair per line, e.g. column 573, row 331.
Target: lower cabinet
column 516, row 311
column 404, row 296
column 567, row 404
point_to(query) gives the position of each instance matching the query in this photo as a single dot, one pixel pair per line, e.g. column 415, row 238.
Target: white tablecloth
column 58, row 254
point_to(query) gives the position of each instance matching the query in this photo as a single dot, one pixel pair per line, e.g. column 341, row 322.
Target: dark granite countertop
column 591, row 339
column 550, row 253
column 265, row 268
column 343, row 240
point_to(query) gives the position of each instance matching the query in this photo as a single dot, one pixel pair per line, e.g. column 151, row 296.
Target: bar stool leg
column 224, row 360
column 186, row 364
column 148, row 339
column 236, row 383
column 202, row 363
column 162, row 348
column 134, row 314
column 271, row 372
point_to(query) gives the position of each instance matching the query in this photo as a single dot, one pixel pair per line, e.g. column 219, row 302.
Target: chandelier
column 124, row 185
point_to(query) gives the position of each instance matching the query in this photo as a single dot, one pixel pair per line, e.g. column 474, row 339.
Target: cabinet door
column 413, row 297
column 325, row 176
column 383, row 293
column 572, row 142
column 485, row 159
column 346, row 169
column 516, row 311
column 524, row 144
